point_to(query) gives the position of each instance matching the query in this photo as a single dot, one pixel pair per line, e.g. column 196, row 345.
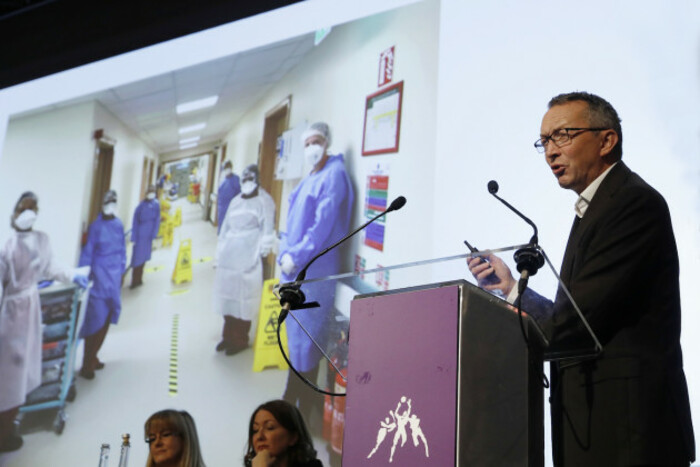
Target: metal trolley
column 62, row 310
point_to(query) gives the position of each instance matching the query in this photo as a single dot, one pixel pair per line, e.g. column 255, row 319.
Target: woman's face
column 269, row 435
column 165, row 443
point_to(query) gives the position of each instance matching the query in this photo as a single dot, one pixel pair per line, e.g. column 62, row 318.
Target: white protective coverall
column 246, row 234
column 24, row 260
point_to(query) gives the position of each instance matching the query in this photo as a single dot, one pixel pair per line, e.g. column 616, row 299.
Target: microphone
column 395, row 205
column 291, row 297
column 529, row 259
column 493, row 189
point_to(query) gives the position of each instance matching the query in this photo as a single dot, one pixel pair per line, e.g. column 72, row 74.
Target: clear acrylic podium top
column 564, row 330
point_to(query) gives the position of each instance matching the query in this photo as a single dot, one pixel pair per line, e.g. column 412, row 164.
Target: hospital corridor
column 160, row 355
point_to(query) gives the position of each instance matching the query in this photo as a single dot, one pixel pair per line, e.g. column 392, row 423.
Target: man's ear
column 608, row 141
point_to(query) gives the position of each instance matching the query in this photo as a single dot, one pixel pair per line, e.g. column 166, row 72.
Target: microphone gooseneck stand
column 528, row 261
column 293, row 298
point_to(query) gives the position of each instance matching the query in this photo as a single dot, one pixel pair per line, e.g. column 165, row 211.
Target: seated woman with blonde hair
column 277, row 436
column 172, row 440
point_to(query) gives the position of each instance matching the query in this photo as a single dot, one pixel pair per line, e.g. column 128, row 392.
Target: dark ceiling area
column 40, row 38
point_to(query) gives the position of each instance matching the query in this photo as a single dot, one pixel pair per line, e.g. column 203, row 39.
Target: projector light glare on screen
column 191, row 128
column 192, row 139
column 197, row 105
column 188, row 146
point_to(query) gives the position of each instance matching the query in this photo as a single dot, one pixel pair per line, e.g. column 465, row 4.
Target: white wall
column 50, row 154
column 500, row 62
column 332, row 83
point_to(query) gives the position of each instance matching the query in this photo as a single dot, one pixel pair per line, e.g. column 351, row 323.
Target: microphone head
column 397, row 204
column 493, row 187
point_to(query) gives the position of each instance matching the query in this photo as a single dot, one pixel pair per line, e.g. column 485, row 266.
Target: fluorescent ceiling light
column 191, row 128
column 196, row 105
column 193, row 139
column 187, row 146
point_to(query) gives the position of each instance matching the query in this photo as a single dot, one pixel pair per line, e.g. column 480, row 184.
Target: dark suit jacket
column 629, row 406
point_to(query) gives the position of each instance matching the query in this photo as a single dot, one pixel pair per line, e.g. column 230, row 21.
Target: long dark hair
column 290, row 418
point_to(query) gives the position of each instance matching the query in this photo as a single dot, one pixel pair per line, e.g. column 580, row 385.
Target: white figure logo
column 400, row 418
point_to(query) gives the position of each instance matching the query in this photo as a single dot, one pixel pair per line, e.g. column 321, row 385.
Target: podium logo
column 399, row 421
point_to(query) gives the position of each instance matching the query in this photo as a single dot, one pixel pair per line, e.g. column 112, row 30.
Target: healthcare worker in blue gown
column 229, row 188
column 144, row 229
column 105, row 253
column 25, row 259
column 319, row 215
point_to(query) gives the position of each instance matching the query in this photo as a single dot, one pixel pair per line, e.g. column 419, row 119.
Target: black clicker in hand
column 491, row 278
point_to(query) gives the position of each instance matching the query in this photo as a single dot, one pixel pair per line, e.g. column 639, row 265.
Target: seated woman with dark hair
column 172, row 440
column 277, row 436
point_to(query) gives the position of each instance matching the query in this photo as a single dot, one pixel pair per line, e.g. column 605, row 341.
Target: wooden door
column 276, row 123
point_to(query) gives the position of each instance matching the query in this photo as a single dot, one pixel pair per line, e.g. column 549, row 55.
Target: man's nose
column 551, row 152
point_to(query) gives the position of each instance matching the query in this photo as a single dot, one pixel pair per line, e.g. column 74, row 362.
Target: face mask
column 248, row 187
column 150, row 196
column 313, row 153
column 25, row 220
column 226, row 173
column 109, row 209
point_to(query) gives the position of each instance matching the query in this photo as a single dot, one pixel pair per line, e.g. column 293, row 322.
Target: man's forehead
column 562, row 115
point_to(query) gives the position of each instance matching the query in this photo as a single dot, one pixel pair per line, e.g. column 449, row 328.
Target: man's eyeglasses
column 162, row 435
column 561, row 137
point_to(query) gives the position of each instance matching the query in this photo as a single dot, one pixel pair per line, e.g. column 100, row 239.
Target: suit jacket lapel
column 610, row 185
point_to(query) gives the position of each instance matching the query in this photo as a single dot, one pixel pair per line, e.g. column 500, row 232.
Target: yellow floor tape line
column 178, row 292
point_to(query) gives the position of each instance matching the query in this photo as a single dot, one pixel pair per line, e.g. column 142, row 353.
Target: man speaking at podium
column 628, row 406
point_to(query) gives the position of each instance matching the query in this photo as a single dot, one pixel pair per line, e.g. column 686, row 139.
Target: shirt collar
column 586, row 196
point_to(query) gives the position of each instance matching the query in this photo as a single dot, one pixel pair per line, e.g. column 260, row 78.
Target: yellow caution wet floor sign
column 178, row 217
column 183, row 266
column 267, row 352
column 168, row 231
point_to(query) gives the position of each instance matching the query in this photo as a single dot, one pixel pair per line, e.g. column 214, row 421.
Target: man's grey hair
column 601, row 114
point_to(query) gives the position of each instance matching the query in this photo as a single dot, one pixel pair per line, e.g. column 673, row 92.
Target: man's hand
column 493, row 276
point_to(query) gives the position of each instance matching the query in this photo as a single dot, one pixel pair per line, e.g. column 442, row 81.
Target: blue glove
column 82, row 281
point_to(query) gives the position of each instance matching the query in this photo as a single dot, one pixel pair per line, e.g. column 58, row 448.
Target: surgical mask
column 150, row 196
column 25, row 220
column 313, row 153
column 248, row 187
column 109, row 209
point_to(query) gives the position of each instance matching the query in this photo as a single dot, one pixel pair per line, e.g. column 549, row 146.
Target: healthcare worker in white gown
column 25, row 259
column 246, row 236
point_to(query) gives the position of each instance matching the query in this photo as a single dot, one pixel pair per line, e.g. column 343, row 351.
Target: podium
column 449, row 361
column 445, row 373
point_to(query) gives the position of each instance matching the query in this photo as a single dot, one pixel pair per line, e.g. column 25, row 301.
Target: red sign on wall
column 386, row 66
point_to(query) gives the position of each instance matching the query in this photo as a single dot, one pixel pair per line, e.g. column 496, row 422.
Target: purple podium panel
column 402, row 379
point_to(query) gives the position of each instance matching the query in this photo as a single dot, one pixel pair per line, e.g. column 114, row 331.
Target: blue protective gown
column 229, row 189
column 319, row 215
column 143, row 230
column 105, row 253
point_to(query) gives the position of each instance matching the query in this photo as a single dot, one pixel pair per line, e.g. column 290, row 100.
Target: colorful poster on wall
column 376, row 202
